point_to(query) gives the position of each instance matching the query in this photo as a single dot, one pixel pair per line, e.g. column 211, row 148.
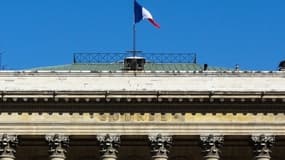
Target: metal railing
column 79, row 58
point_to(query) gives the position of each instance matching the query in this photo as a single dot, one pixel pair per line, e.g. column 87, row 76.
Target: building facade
column 142, row 115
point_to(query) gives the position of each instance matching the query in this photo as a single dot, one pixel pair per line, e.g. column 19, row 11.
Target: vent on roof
column 134, row 63
column 282, row 66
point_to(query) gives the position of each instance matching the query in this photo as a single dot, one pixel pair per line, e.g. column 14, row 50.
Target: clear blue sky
column 250, row 33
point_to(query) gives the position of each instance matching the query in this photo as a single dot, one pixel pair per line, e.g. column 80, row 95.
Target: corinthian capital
column 57, row 145
column 211, row 145
column 262, row 145
column 109, row 145
column 160, row 145
column 7, row 146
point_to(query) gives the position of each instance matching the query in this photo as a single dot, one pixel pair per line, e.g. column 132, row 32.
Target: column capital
column 57, row 146
column 7, row 146
column 262, row 145
column 160, row 145
column 211, row 145
column 109, row 145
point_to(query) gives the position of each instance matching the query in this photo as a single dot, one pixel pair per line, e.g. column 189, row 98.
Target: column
column 262, row 146
column 211, row 146
column 160, row 146
column 109, row 145
column 57, row 146
column 7, row 146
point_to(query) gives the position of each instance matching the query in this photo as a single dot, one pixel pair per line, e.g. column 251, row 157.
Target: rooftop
column 114, row 62
column 120, row 66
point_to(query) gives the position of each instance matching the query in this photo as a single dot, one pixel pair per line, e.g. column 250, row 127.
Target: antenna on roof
column 1, row 66
column 195, row 58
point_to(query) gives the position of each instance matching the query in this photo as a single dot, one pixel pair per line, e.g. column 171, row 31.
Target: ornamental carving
column 109, row 145
column 262, row 145
column 160, row 145
column 57, row 145
column 7, row 146
column 211, row 145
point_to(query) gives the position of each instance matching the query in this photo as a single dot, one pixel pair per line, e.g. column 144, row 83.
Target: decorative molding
column 7, row 146
column 211, row 145
column 109, row 145
column 120, row 96
column 85, row 123
column 160, row 145
column 262, row 145
column 57, row 145
column 69, row 126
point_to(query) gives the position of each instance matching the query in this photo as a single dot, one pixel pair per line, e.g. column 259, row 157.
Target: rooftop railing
column 80, row 58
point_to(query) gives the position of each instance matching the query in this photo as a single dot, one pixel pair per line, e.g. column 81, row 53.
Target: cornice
column 143, row 96
column 91, row 73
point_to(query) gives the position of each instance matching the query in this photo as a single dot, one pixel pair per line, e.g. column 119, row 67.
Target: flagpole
column 134, row 39
column 134, row 32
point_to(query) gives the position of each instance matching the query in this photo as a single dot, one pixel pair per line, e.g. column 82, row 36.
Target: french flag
column 142, row 13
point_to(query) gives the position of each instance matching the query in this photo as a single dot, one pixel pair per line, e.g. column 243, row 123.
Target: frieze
column 142, row 123
column 142, row 117
column 138, row 117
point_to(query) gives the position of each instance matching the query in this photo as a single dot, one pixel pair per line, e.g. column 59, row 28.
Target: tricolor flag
column 142, row 13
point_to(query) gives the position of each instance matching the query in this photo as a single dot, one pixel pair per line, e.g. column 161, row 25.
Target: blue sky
column 250, row 33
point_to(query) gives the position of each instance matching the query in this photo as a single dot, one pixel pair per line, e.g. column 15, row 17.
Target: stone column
column 160, row 146
column 262, row 146
column 57, row 146
column 211, row 145
column 109, row 145
column 7, row 146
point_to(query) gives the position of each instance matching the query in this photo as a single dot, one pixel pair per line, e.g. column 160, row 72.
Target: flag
column 142, row 13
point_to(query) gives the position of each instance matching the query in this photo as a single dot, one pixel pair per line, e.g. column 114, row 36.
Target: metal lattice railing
column 119, row 57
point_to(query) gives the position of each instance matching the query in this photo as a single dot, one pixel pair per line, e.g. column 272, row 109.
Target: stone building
column 166, row 111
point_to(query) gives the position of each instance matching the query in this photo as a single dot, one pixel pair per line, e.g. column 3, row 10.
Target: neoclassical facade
column 142, row 115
